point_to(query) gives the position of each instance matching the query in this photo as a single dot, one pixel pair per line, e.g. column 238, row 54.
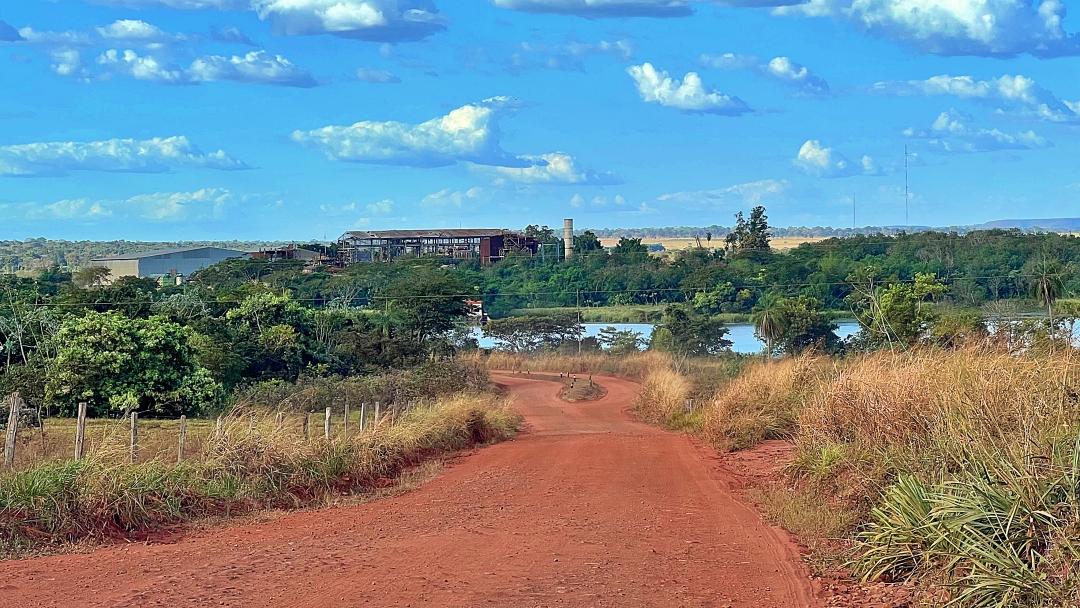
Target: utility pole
column 907, row 222
column 854, row 223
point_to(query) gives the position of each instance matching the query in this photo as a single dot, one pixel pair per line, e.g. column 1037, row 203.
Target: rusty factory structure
column 485, row 244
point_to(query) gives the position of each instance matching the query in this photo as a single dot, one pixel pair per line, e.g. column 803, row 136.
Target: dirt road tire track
column 586, row 508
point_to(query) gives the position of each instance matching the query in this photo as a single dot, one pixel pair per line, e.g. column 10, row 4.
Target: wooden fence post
column 12, row 430
column 183, row 437
column 326, row 425
column 134, row 437
column 345, row 428
column 80, row 432
column 307, row 416
column 280, row 420
column 363, row 415
column 218, row 428
column 375, row 421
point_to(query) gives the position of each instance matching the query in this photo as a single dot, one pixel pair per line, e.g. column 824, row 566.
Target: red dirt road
column 587, row 508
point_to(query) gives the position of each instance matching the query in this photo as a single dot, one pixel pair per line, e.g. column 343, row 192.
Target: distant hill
column 1059, row 224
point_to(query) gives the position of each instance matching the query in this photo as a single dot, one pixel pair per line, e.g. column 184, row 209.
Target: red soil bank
column 586, row 508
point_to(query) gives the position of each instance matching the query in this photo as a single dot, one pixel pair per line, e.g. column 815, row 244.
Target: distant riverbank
column 644, row 313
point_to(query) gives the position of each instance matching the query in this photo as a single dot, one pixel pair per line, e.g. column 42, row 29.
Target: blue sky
column 300, row 119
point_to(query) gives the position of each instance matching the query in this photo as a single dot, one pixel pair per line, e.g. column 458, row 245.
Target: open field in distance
column 782, row 243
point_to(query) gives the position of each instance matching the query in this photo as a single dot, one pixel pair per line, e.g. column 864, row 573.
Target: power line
column 764, row 286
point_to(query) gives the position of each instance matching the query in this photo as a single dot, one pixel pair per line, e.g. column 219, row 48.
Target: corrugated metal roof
column 158, row 252
column 417, row 234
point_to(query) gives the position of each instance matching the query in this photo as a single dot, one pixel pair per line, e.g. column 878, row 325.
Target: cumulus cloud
column 133, row 31
column 469, row 133
column 780, row 69
column 382, row 207
column 8, row 33
column 597, row 9
column 230, row 34
column 204, row 204
column 554, row 168
column 749, row 193
column 256, row 67
column 689, row 95
column 374, row 20
column 819, row 161
column 376, row 76
column 952, row 133
column 1001, row 28
column 448, row 197
column 158, row 155
column 1015, row 93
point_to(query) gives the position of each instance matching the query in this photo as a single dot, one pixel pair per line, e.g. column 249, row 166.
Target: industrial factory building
column 484, row 244
column 164, row 263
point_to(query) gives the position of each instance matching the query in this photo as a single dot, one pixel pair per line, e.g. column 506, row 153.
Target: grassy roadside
column 956, row 469
column 248, row 467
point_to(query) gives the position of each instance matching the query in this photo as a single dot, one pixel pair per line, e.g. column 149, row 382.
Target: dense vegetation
column 71, row 336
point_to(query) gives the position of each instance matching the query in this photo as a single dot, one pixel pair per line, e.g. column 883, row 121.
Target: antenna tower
column 907, row 222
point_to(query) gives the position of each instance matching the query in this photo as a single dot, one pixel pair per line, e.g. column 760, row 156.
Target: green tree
column 1044, row 277
column 534, row 332
column 104, row 358
column 769, row 322
column 587, row 242
column 620, row 342
column 803, row 326
column 899, row 314
column 686, row 332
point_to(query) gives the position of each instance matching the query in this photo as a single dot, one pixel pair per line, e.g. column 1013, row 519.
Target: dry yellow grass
column 634, row 366
column 663, row 396
column 764, row 401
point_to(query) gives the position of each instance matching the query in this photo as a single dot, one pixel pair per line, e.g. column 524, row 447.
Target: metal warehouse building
column 167, row 262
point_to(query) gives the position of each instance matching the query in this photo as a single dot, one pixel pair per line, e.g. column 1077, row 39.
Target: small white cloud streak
column 157, row 155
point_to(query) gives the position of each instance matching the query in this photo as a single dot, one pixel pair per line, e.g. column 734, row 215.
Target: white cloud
column 554, row 168
column 382, row 207
column 453, row 198
column 781, row 69
column 207, row 203
column 577, row 200
column 256, row 67
column 157, row 155
column 376, row 76
column 690, row 95
column 469, row 133
column 188, row 5
column 69, row 64
column 594, row 9
column 749, row 193
column 134, row 31
column 952, row 27
column 69, row 38
column 375, row 20
column 952, row 133
column 819, row 161
column 1018, row 93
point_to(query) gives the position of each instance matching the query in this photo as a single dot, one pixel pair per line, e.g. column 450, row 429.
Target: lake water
column 741, row 334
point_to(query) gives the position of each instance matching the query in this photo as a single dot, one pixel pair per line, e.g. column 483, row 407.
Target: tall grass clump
column 965, row 466
column 663, row 395
column 764, row 401
column 257, row 461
